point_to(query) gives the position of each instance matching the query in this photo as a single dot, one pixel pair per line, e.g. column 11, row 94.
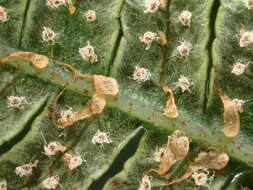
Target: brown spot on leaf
column 85, row 91
column 53, row 74
column 130, row 107
column 115, row 98
column 115, row 181
column 183, row 123
column 38, row 73
column 246, row 154
column 163, row 38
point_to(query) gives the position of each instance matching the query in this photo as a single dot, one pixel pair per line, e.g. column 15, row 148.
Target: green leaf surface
column 12, row 30
column 102, row 33
column 133, row 118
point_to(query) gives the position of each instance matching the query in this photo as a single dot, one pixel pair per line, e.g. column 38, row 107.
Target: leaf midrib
column 195, row 129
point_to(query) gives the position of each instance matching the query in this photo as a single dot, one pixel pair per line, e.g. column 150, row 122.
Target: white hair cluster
column 101, row 138
column 73, row 161
column 3, row 185
column 245, row 38
column 25, row 170
column 203, row 177
column 141, row 75
column 88, row 53
column 48, row 35
column 239, row 103
column 53, row 147
column 17, row 102
column 90, row 15
column 200, row 178
column 3, row 14
column 51, row 182
column 185, row 17
column 184, row 83
column 152, row 6
column 184, row 48
column 145, row 183
column 147, row 38
column 238, row 68
column 159, row 154
column 66, row 115
column 55, row 3
column 249, row 4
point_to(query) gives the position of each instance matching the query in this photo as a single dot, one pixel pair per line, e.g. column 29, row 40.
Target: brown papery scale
column 94, row 106
column 179, row 144
column 230, row 115
column 211, row 160
column 102, row 86
column 176, row 149
column 37, row 60
column 170, row 109
column 71, row 7
column 105, row 85
column 205, row 160
column 163, row 38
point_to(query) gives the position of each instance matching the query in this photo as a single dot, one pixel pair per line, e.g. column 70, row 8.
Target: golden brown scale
column 102, row 86
column 105, row 85
column 231, row 116
column 37, row 60
column 176, row 149
column 163, row 38
column 94, row 106
column 205, row 160
column 71, row 7
column 170, row 110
